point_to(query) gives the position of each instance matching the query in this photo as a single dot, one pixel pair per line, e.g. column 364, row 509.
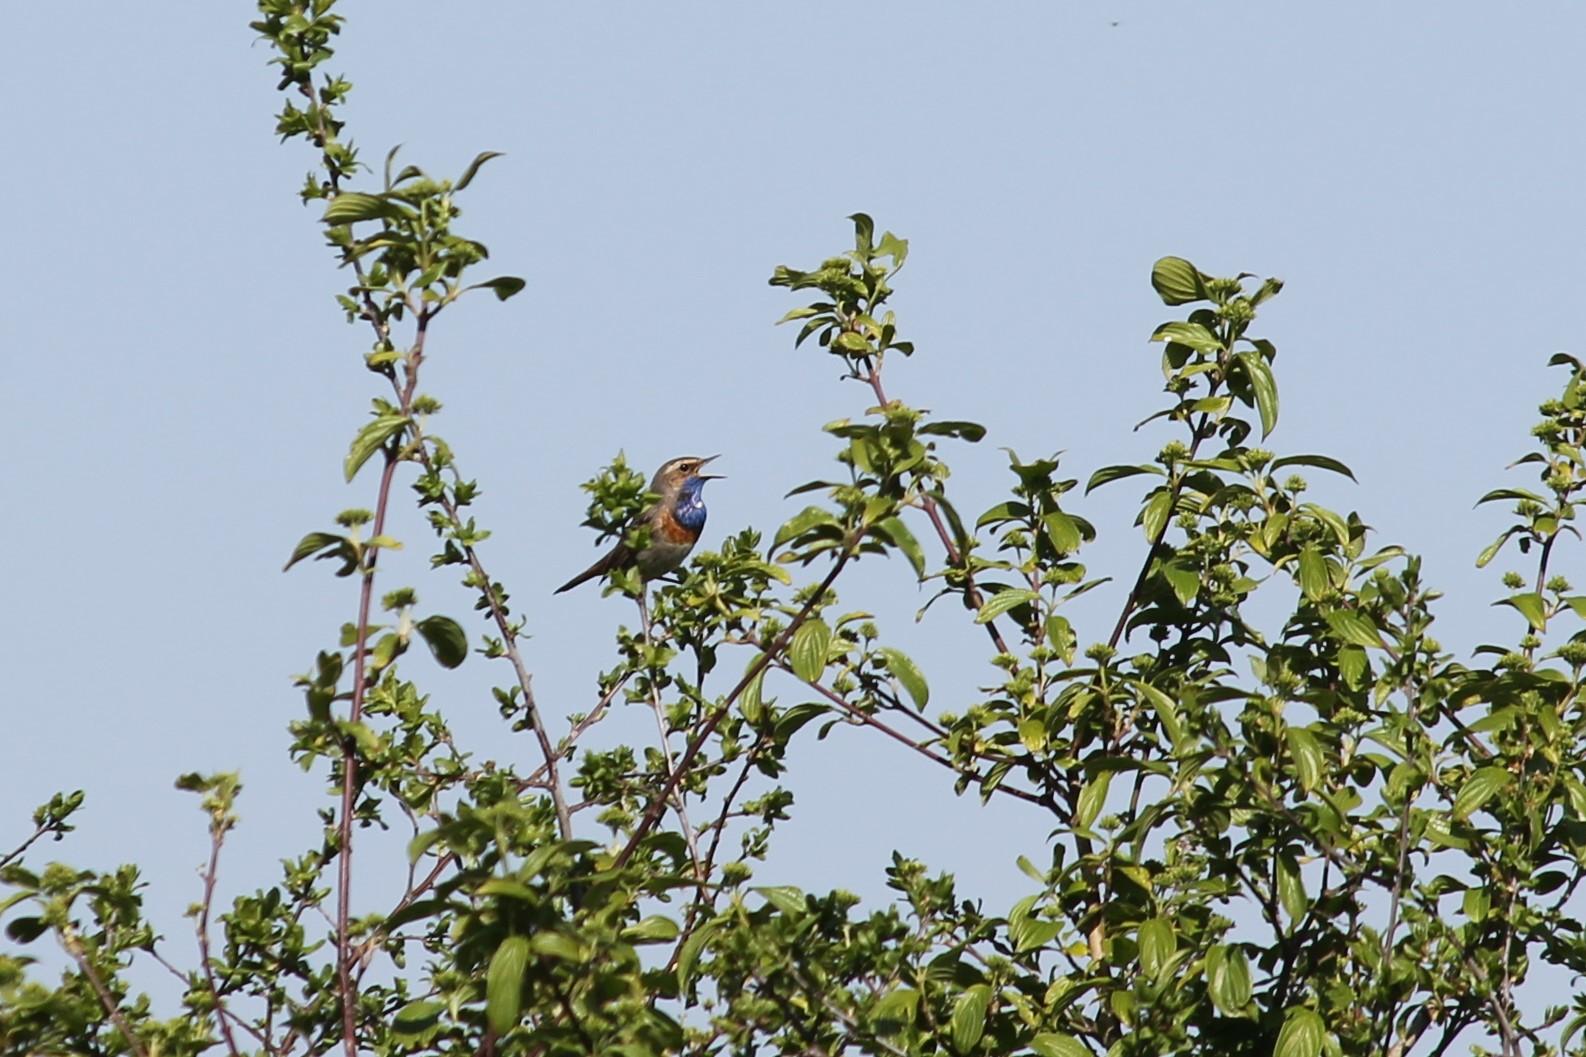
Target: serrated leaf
column 446, row 639
column 968, row 1022
column 1483, row 784
column 807, row 653
column 908, row 674
column 1264, row 387
column 1302, row 1034
column 1177, row 281
column 370, row 439
column 504, row 984
column 998, row 604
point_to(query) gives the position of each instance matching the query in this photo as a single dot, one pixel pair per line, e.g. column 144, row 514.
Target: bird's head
column 683, row 473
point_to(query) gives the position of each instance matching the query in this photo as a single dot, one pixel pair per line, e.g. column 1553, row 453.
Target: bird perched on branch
column 675, row 522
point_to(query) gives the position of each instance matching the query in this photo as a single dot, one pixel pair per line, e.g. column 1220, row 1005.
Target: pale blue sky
column 184, row 387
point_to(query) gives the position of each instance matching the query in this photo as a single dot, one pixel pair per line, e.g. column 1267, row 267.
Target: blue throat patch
column 690, row 507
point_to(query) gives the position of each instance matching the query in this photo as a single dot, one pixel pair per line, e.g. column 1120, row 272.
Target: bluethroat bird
column 675, row 522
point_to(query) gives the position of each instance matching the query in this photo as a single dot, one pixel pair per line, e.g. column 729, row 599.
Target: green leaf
column 1302, row 1034
column 1012, row 510
column 1309, row 760
column 1108, row 474
column 898, row 534
column 1166, row 710
column 1183, row 579
column 504, row 286
column 1291, row 888
column 1194, row 335
column 809, row 518
column 1064, row 532
column 998, row 604
column 1157, row 944
column 751, row 702
column 1354, row 628
column 896, row 1008
column 908, row 674
column 1483, row 784
column 553, row 944
column 1154, row 517
column 968, row 1021
column 415, row 1018
column 445, row 638
column 1491, row 550
column 1518, row 494
column 807, row 654
column 26, row 930
column 653, row 929
column 1228, row 979
column 1091, row 799
column 1530, row 606
column 349, row 207
column 786, row 898
column 370, row 439
column 1314, row 581
column 1321, row 462
column 1057, row 1044
column 1177, row 281
column 504, row 984
column 970, row 431
column 312, row 543
column 1265, row 388
column 688, row 957
column 473, row 168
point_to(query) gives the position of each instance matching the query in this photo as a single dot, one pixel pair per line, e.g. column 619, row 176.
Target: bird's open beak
column 709, row 476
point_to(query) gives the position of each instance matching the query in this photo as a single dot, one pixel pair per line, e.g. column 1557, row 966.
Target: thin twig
column 657, row 807
column 972, row 596
column 689, row 834
column 74, row 947
column 216, row 837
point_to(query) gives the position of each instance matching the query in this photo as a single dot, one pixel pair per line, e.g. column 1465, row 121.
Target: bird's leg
column 666, row 748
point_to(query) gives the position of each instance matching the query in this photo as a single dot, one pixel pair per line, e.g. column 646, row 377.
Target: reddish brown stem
column 657, row 806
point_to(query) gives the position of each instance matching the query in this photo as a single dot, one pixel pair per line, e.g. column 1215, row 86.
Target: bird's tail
column 612, row 559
